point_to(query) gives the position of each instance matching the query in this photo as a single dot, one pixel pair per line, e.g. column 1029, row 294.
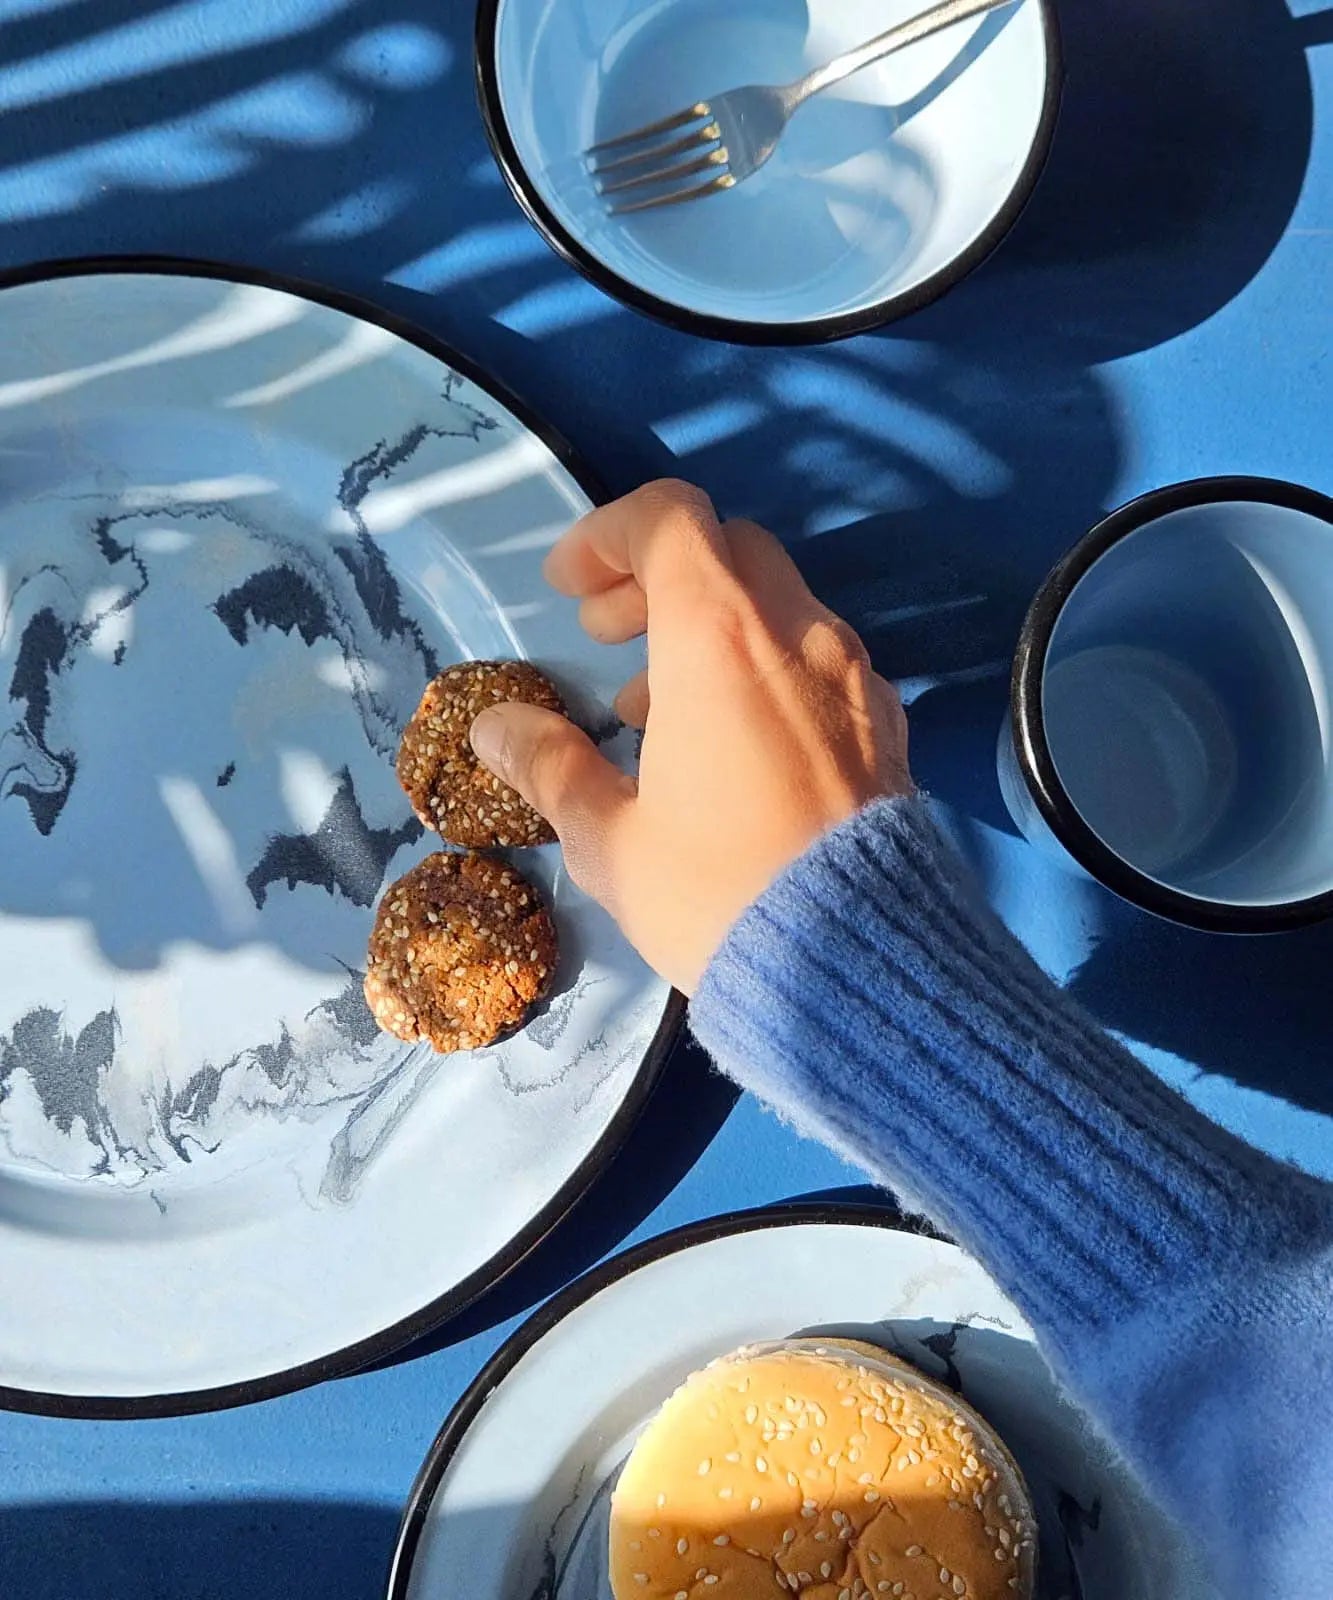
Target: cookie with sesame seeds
column 449, row 788
column 461, row 950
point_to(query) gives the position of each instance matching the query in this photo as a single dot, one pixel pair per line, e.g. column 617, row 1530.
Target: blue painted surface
column 1163, row 309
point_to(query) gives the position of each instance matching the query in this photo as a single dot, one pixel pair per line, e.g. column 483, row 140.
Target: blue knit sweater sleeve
column 1180, row 1281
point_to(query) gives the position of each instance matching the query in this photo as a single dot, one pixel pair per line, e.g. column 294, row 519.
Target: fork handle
column 884, row 44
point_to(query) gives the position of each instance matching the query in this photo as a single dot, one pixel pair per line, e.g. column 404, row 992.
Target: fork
column 731, row 136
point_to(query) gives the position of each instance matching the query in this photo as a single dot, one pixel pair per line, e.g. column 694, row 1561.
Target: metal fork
column 731, row 136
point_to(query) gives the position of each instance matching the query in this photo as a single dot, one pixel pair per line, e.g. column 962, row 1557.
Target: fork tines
column 647, row 159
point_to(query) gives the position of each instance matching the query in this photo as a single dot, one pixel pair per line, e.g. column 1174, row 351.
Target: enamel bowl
column 884, row 192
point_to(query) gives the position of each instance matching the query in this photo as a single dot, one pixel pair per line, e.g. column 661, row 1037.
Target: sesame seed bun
column 830, row 1471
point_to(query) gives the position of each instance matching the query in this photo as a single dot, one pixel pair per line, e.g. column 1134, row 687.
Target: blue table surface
column 1163, row 309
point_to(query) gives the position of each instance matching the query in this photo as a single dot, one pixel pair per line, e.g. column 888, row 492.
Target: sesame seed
column 682, row 1546
column 871, row 1497
column 760, row 1464
column 756, row 1504
column 722, row 1539
column 705, row 1467
column 725, row 1494
column 912, row 1550
column 641, row 1577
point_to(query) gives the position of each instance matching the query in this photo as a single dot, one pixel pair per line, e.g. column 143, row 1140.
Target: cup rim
column 1033, row 752
column 740, row 330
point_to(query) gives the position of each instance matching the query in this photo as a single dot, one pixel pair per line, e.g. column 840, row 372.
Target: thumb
column 559, row 772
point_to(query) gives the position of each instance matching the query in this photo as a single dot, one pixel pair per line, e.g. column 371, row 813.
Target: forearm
column 874, row 1005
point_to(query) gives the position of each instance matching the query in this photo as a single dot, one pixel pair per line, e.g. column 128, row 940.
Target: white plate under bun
column 884, row 192
column 509, row 1502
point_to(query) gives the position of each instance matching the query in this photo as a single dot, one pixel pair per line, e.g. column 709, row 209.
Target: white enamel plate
column 511, row 1503
column 240, row 528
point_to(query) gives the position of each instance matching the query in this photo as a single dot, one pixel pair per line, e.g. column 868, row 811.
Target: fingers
column 615, row 614
column 763, row 565
column 631, row 704
column 558, row 771
column 664, row 536
column 771, row 579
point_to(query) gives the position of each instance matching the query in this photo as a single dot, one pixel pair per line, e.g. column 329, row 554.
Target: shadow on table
column 206, row 1550
column 926, row 476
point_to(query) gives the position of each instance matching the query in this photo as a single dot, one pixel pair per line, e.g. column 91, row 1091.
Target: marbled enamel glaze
column 239, row 530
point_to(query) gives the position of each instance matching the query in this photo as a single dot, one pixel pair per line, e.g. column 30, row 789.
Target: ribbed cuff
column 875, row 1005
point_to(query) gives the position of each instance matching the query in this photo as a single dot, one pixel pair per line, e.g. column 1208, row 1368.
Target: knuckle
column 740, row 530
column 836, row 642
column 887, row 695
column 731, row 620
column 674, row 497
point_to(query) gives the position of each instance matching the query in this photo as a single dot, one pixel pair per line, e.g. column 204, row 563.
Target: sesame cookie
column 461, row 948
column 449, row 788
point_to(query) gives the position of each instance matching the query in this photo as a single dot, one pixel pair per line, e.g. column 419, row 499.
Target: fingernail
column 488, row 740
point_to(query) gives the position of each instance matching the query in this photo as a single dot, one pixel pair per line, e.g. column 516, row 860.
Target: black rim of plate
column 399, row 1335
column 1034, row 752
column 797, row 1213
column 815, row 330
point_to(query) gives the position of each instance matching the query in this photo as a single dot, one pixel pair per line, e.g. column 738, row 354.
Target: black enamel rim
column 1033, row 751
column 817, row 330
column 591, row 1284
column 377, row 1347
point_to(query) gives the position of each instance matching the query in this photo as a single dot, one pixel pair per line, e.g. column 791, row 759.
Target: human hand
column 764, row 724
